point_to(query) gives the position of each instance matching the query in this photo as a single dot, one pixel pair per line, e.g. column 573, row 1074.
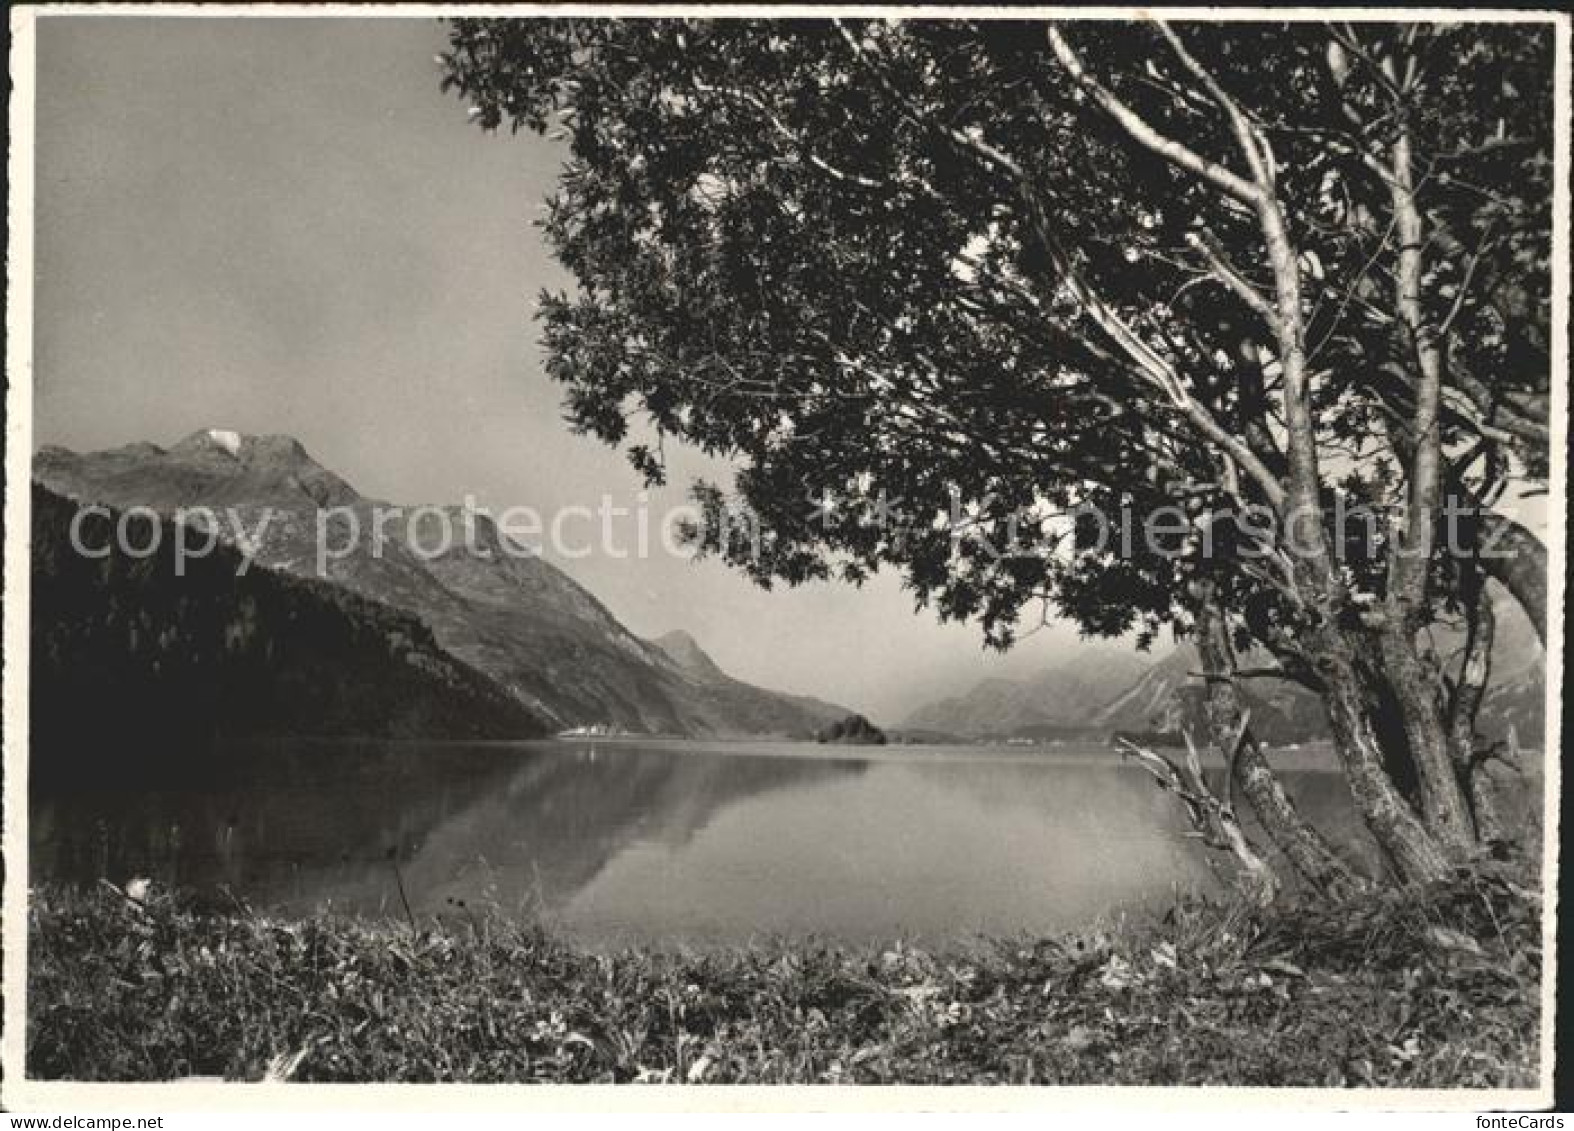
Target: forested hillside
column 129, row 659
column 490, row 604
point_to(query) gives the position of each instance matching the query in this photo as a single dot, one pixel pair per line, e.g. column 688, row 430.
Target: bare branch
column 1254, row 146
column 1154, row 368
column 1144, row 134
column 1232, row 278
column 1212, row 820
column 1464, row 285
column 796, row 138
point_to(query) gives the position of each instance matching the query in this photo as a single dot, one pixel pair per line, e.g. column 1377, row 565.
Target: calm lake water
column 625, row 841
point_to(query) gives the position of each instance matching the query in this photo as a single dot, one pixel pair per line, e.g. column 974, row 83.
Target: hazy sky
column 277, row 225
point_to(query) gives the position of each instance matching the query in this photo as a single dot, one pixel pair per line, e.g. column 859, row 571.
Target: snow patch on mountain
column 225, row 438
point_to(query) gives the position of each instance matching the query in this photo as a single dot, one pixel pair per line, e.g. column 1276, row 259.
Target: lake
column 625, row 841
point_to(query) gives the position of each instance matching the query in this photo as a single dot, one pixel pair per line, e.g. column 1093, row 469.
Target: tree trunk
column 1412, row 850
column 1308, row 853
column 1322, row 592
column 1441, row 796
column 1483, row 801
column 1317, row 584
column 1470, row 684
column 1411, row 546
column 1388, row 726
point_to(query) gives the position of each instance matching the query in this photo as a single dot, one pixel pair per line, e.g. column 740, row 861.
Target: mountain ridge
column 1086, row 697
column 542, row 637
column 1058, row 696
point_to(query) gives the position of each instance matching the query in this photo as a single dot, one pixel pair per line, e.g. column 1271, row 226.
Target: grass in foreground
column 1435, row 988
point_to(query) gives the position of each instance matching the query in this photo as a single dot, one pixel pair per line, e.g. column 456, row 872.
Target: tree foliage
column 944, row 290
column 794, row 246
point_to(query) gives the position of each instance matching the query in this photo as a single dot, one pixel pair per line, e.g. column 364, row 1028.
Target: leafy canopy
column 917, row 272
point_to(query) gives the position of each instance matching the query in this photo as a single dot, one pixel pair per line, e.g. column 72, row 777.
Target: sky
column 274, row 225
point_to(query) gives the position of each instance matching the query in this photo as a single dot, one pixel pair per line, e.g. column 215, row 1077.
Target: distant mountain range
column 1098, row 691
column 1063, row 696
column 547, row 644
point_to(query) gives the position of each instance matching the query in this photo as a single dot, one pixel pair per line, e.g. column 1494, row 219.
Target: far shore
column 1314, row 755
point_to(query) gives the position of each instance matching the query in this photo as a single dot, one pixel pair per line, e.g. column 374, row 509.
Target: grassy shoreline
column 1438, row 988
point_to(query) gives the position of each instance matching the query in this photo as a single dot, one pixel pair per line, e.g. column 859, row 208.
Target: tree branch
column 797, row 139
column 1410, row 553
column 1254, row 147
column 1154, row 368
column 1232, row 278
column 1143, row 133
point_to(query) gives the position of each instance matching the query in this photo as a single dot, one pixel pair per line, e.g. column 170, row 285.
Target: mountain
column 135, row 668
column 1096, row 693
column 683, row 650
column 1516, row 695
column 548, row 642
column 1168, row 694
column 1062, row 698
column 754, row 710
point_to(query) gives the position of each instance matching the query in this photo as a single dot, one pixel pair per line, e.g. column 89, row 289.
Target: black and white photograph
column 595, row 549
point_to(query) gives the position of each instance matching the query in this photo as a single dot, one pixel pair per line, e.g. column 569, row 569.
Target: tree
column 1023, row 277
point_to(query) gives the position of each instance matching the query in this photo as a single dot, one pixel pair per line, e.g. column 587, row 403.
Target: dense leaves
column 864, row 260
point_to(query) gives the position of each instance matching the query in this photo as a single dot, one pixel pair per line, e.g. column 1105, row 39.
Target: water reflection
column 621, row 841
column 299, row 825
